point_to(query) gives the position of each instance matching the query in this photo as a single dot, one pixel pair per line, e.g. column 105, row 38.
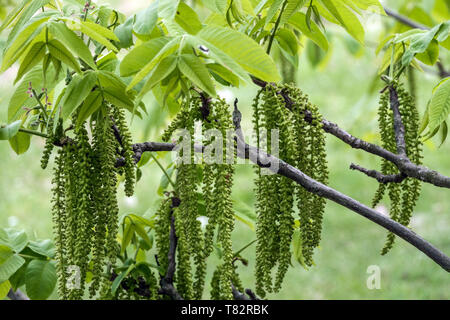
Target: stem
column 32, row 132
column 163, row 170
column 243, row 248
column 277, row 23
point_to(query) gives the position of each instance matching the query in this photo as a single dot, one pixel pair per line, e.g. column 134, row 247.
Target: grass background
column 342, row 90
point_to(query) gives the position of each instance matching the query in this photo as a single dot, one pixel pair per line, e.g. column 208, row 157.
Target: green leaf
column 40, row 279
column 431, row 54
column 167, row 9
column 164, row 182
column 59, row 52
column 287, row 40
column 21, row 43
column 33, row 57
column 117, row 281
column 243, row 50
column 188, row 19
column 276, row 5
column 15, row 239
column 9, row 262
column 164, row 68
column 194, row 69
column 346, row 18
column 77, row 91
column 98, row 33
column 25, row 16
column 298, row 21
column 439, row 107
column 165, row 51
column 90, row 105
column 250, row 224
column 125, row 33
column 114, row 90
column 43, row 247
column 4, row 289
column 127, row 234
column 146, row 20
column 66, row 36
column 139, row 56
column 298, row 247
column 142, row 220
column 20, row 143
column 143, row 234
column 224, row 73
column 10, row 130
column 291, row 8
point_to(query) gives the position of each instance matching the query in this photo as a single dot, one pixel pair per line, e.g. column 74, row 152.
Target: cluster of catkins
column 403, row 196
column 301, row 144
column 85, row 209
column 203, row 190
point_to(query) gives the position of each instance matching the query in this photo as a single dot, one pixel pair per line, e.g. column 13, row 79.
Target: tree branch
column 166, row 282
column 399, row 128
column 404, row 165
column 381, row 178
column 237, row 295
column 17, row 295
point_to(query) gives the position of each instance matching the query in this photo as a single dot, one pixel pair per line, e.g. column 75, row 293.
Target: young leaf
column 21, row 43
column 164, row 68
column 4, row 289
column 439, row 107
column 33, row 57
column 59, row 51
column 287, row 40
column 224, row 73
column 77, row 91
column 9, row 263
column 90, row 105
column 139, row 56
column 98, row 33
column 299, row 21
column 167, row 9
column 71, row 41
column 15, row 239
column 165, row 51
column 346, row 18
column 20, row 143
column 146, row 20
column 431, row 54
column 10, row 130
column 194, row 69
column 243, row 50
column 40, row 279
column 188, row 19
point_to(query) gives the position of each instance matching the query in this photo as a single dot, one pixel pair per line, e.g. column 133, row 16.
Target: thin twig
column 381, row 178
column 166, row 282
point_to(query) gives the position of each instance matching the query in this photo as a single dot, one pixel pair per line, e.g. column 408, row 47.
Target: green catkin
column 215, row 186
column 59, row 223
column 162, row 231
column 49, row 145
column 85, row 209
column 302, row 144
column 127, row 151
column 403, row 196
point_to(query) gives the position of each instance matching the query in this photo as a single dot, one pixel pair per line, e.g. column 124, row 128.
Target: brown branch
column 404, row 165
column 313, row 186
column 381, row 178
column 166, row 282
column 17, row 295
column 399, row 128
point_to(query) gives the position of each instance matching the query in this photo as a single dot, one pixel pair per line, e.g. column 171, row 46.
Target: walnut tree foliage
column 84, row 69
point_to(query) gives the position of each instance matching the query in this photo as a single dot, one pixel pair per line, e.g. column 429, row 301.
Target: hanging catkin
column 282, row 113
column 403, row 196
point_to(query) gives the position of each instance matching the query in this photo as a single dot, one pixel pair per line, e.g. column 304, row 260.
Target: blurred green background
column 344, row 87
